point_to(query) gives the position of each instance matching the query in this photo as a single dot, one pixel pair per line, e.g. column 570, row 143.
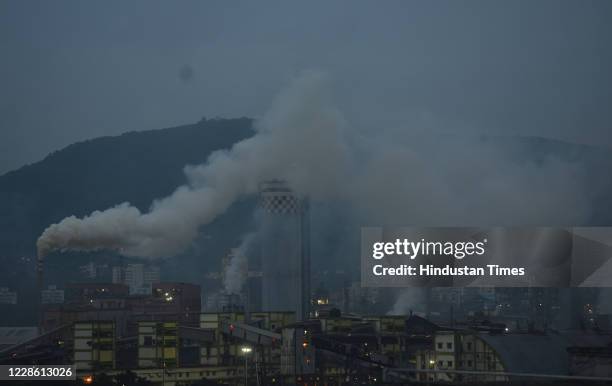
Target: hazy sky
column 72, row 70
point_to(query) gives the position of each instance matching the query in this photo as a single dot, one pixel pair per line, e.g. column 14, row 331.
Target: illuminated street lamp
column 246, row 350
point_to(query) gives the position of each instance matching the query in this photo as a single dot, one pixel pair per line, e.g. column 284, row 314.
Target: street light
column 246, row 350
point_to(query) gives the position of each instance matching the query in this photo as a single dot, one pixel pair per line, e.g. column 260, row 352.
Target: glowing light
column 246, row 349
column 88, row 379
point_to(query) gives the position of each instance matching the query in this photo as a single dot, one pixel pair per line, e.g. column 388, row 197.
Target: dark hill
column 96, row 174
column 138, row 167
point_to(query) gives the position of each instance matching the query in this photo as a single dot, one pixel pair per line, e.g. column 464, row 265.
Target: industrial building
column 138, row 277
column 285, row 249
column 277, row 331
column 266, row 348
column 179, row 302
column 7, row 297
column 52, row 295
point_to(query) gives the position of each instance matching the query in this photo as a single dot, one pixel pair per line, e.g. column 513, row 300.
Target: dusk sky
column 73, row 70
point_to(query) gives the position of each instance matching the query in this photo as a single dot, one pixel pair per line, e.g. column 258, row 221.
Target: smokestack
column 285, row 249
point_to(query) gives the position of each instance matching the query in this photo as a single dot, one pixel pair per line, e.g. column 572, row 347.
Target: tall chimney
column 285, row 251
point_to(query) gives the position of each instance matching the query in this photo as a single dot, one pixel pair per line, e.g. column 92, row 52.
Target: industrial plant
column 255, row 193
column 269, row 327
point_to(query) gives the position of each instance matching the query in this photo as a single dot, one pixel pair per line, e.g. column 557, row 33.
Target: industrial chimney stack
column 285, row 243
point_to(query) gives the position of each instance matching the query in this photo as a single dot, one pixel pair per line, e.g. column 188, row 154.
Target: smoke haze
column 409, row 300
column 502, row 68
column 404, row 177
column 297, row 127
column 237, row 269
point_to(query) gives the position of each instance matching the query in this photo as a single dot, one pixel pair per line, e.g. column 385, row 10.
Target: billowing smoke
column 236, row 271
column 386, row 177
column 297, row 140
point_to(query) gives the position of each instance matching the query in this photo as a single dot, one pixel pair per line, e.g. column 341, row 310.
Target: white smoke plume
column 387, row 177
column 289, row 143
column 236, row 271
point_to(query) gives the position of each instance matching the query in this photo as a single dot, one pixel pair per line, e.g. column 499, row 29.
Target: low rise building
column 7, row 296
column 52, row 295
